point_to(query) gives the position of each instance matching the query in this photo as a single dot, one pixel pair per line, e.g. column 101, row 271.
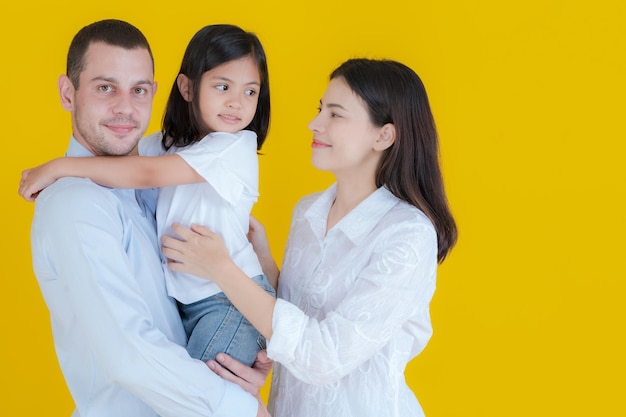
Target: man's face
column 112, row 106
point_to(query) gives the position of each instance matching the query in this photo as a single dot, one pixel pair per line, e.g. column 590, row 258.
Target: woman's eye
column 222, row 87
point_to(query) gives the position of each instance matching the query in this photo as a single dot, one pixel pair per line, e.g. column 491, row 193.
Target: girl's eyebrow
column 230, row 81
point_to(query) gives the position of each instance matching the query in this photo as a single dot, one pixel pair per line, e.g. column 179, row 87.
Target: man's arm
column 81, row 236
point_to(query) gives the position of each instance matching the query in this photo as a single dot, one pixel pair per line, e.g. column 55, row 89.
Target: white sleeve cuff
column 288, row 324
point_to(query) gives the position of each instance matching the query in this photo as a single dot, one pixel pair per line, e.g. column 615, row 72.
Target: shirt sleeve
column 226, row 161
column 395, row 286
column 85, row 240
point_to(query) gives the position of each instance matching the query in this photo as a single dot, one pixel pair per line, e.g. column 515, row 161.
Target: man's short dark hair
column 111, row 32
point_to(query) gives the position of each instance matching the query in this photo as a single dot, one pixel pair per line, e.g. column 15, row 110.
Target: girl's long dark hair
column 210, row 47
column 394, row 93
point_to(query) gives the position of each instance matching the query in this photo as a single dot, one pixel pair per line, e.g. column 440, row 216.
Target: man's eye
column 105, row 88
column 140, row 91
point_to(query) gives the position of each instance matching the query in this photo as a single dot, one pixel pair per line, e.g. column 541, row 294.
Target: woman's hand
column 199, row 251
column 260, row 244
column 250, row 379
column 258, row 237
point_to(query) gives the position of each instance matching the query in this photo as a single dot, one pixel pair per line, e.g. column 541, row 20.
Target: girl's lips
column 229, row 118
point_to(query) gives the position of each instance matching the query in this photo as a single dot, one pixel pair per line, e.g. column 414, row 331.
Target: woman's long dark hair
column 210, row 47
column 394, row 93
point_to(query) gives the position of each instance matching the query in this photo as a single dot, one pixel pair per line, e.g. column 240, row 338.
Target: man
column 118, row 337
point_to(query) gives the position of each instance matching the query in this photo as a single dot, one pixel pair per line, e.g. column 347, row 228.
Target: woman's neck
column 349, row 195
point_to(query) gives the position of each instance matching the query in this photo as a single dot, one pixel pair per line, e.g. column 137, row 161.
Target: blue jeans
column 214, row 325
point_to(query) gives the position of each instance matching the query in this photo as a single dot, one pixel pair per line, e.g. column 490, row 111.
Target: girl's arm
column 112, row 171
column 206, row 256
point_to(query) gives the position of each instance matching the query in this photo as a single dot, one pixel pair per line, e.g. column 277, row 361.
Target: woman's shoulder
column 408, row 217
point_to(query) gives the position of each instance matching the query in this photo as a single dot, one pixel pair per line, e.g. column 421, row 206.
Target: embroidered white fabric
column 353, row 309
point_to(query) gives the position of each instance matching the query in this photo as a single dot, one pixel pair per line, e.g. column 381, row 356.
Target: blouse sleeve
column 226, row 161
column 393, row 289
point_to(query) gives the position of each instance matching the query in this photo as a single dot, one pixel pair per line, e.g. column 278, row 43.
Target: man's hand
column 250, row 379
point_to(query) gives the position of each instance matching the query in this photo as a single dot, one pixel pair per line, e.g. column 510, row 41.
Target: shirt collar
column 77, row 149
column 357, row 223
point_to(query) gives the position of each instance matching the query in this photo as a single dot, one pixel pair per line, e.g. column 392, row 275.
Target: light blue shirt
column 117, row 335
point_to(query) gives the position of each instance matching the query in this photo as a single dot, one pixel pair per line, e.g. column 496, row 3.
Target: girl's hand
column 198, row 251
column 34, row 180
column 250, row 379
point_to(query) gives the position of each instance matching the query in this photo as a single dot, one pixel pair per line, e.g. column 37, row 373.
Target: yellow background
column 529, row 100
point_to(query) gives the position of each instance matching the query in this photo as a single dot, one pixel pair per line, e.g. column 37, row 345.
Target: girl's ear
column 184, row 86
column 66, row 92
column 386, row 137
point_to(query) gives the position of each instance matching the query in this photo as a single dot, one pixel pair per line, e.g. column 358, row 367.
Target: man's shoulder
column 151, row 145
column 72, row 193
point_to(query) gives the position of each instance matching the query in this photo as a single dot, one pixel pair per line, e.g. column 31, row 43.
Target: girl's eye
column 319, row 109
column 251, row 92
column 222, row 87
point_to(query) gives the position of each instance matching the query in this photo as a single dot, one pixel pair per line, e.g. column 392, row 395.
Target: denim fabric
column 214, row 325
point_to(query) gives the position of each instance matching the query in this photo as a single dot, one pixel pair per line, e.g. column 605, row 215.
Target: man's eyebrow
column 113, row 80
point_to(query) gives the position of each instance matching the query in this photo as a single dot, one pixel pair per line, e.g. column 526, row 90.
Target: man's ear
column 66, row 92
column 184, row 86
column 386, row 137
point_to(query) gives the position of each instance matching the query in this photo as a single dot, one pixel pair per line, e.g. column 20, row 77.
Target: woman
column 360, row 265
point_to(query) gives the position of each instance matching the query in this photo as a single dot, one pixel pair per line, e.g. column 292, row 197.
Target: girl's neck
column 349, row 195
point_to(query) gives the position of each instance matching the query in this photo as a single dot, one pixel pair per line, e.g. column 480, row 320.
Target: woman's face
column 344, row 138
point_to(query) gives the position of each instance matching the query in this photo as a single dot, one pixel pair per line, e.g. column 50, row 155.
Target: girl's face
column 228, row 96
column 345, row 141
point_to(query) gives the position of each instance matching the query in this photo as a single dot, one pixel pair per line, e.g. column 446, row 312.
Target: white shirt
column 118, row 336
column 228, row 162
column 353, row 309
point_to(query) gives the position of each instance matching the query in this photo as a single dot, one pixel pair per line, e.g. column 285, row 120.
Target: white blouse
column 353, row 309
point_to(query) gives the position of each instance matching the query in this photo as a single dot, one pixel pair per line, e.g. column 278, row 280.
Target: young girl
column 216, row 119
column 360, row 265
